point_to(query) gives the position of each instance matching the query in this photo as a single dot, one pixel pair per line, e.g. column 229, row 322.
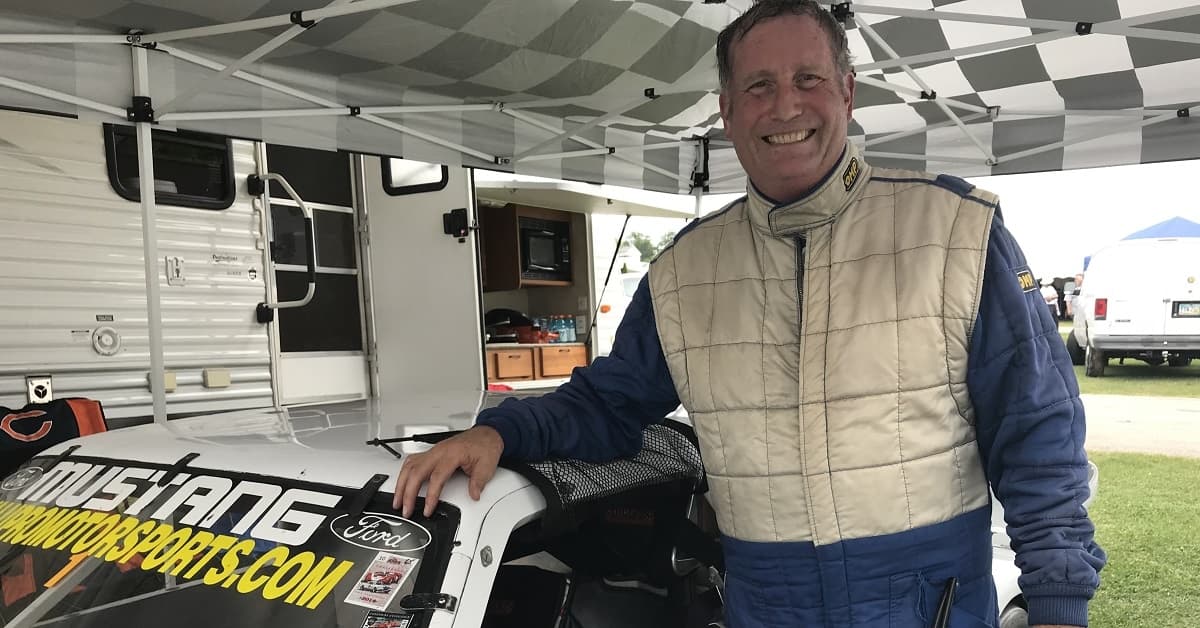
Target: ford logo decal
column 21, row 479
column 379, row 531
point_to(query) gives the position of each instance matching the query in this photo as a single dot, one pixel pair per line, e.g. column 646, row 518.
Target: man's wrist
column 508, row 435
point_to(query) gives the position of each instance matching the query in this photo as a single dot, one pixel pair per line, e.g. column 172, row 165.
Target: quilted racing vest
column 820, row 348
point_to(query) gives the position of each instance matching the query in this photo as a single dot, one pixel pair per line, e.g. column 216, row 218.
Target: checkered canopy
column 619, row 91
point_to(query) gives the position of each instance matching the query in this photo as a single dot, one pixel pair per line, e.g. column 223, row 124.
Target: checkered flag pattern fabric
column 1031, row 85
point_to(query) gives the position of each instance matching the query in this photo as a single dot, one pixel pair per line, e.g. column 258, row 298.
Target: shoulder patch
column 1025, row 279
column 851, row 173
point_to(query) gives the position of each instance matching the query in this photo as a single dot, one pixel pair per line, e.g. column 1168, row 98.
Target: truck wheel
column 1074, row 350
column 1094, row 362
column 1014, row 617
column 1178, row 361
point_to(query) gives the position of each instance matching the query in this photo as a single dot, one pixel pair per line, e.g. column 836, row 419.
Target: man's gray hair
column 764, row 10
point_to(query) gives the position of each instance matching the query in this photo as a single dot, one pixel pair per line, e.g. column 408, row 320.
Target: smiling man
column 862, row 352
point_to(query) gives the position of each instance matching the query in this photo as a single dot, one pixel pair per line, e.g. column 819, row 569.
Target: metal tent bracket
column 140, row 110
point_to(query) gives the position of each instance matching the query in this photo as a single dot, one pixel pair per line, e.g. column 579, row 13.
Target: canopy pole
column 925, row 129
column 402, row 109
column 951, row 159
column 145, row 149
column 317, row 100
column 1086, row 138
column 908, row 91
column 314, row 15
column 46, row 92
column 574, row 100
column 1093, row 113
column 698, row 192
column 586, row 126
column 63, row 39
column 1108, row 28
column 530, row 120
column 1016, row 42
column 339, row 110
column 928, row 91
column 253, row 114
column 604, row 150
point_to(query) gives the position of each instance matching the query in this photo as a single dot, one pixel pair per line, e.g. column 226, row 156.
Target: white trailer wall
column 71, row 262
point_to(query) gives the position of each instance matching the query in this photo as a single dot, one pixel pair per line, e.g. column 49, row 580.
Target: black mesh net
column 669, row 460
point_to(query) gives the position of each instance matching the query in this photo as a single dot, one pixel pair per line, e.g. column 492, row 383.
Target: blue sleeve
column 600, row 413
column 1030, row 426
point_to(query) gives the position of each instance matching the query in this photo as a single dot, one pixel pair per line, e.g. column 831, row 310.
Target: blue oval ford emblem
column 21, row 479
column 379, row 531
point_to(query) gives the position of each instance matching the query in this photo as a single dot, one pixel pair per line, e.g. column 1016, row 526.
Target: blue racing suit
column 1030, row 432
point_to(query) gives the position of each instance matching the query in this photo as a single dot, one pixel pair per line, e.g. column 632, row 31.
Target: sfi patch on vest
column 851, row 173
column 1025, row 279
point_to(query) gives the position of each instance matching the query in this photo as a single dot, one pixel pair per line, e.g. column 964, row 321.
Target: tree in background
column 648, row 248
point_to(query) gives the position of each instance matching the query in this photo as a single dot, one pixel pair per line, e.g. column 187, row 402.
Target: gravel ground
column 1155, row 425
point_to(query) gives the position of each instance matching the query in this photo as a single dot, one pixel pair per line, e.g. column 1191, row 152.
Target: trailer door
column 320, row 347
column 424, row 284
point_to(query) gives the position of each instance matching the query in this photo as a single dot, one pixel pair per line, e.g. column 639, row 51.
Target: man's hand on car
column 476, row 451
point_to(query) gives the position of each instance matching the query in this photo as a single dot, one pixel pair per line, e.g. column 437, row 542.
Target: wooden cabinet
column 558, row 361
column 513, row 363
column 500, row 246
column 527, row 362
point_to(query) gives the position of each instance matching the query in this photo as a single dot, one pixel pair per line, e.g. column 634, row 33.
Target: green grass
column 1148, row 520
column 1138, row 378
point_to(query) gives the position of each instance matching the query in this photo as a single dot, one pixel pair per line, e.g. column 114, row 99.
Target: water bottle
column 569, row 325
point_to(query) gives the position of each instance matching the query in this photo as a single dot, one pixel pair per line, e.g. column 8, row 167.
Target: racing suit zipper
column 801, row 242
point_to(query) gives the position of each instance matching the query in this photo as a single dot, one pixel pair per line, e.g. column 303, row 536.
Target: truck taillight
column 1101, row 309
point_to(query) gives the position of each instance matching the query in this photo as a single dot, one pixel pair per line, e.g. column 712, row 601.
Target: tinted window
column 330, row 322
column 287, row 226
column 318, row 176
column 334, row 234
column 190, row 169
column 335, row 239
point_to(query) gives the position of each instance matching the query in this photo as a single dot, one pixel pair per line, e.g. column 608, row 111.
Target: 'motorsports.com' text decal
column 92, row 510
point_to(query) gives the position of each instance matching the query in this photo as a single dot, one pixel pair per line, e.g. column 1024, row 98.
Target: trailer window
column 404, row 176
column 190, row 169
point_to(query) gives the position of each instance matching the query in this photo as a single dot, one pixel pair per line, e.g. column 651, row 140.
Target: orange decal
column 75, row 561
column 6, row 425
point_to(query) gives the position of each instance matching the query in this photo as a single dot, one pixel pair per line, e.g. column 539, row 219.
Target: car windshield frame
column 301, row 553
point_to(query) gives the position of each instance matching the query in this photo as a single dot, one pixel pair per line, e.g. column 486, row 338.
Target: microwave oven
column 545, row 246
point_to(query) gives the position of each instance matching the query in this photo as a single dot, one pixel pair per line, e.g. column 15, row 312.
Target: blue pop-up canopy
column 1173, row 228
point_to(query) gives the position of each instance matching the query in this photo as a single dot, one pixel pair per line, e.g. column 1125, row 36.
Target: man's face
column 786, row 107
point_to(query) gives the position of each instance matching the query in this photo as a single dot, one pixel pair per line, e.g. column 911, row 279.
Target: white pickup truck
column 269, row 518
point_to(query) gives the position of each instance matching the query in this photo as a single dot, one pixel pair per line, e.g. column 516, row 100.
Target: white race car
column 269, row 518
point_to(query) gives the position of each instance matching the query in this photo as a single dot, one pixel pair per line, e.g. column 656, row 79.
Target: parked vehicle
column 269, row 517
column 1140, row 300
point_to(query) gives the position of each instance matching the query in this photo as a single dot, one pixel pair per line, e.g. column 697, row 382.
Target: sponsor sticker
column 379, row 619
column 241, row 535
column 1025, row 280
column 382, row 580
column 380, row 531
column 850, row 175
